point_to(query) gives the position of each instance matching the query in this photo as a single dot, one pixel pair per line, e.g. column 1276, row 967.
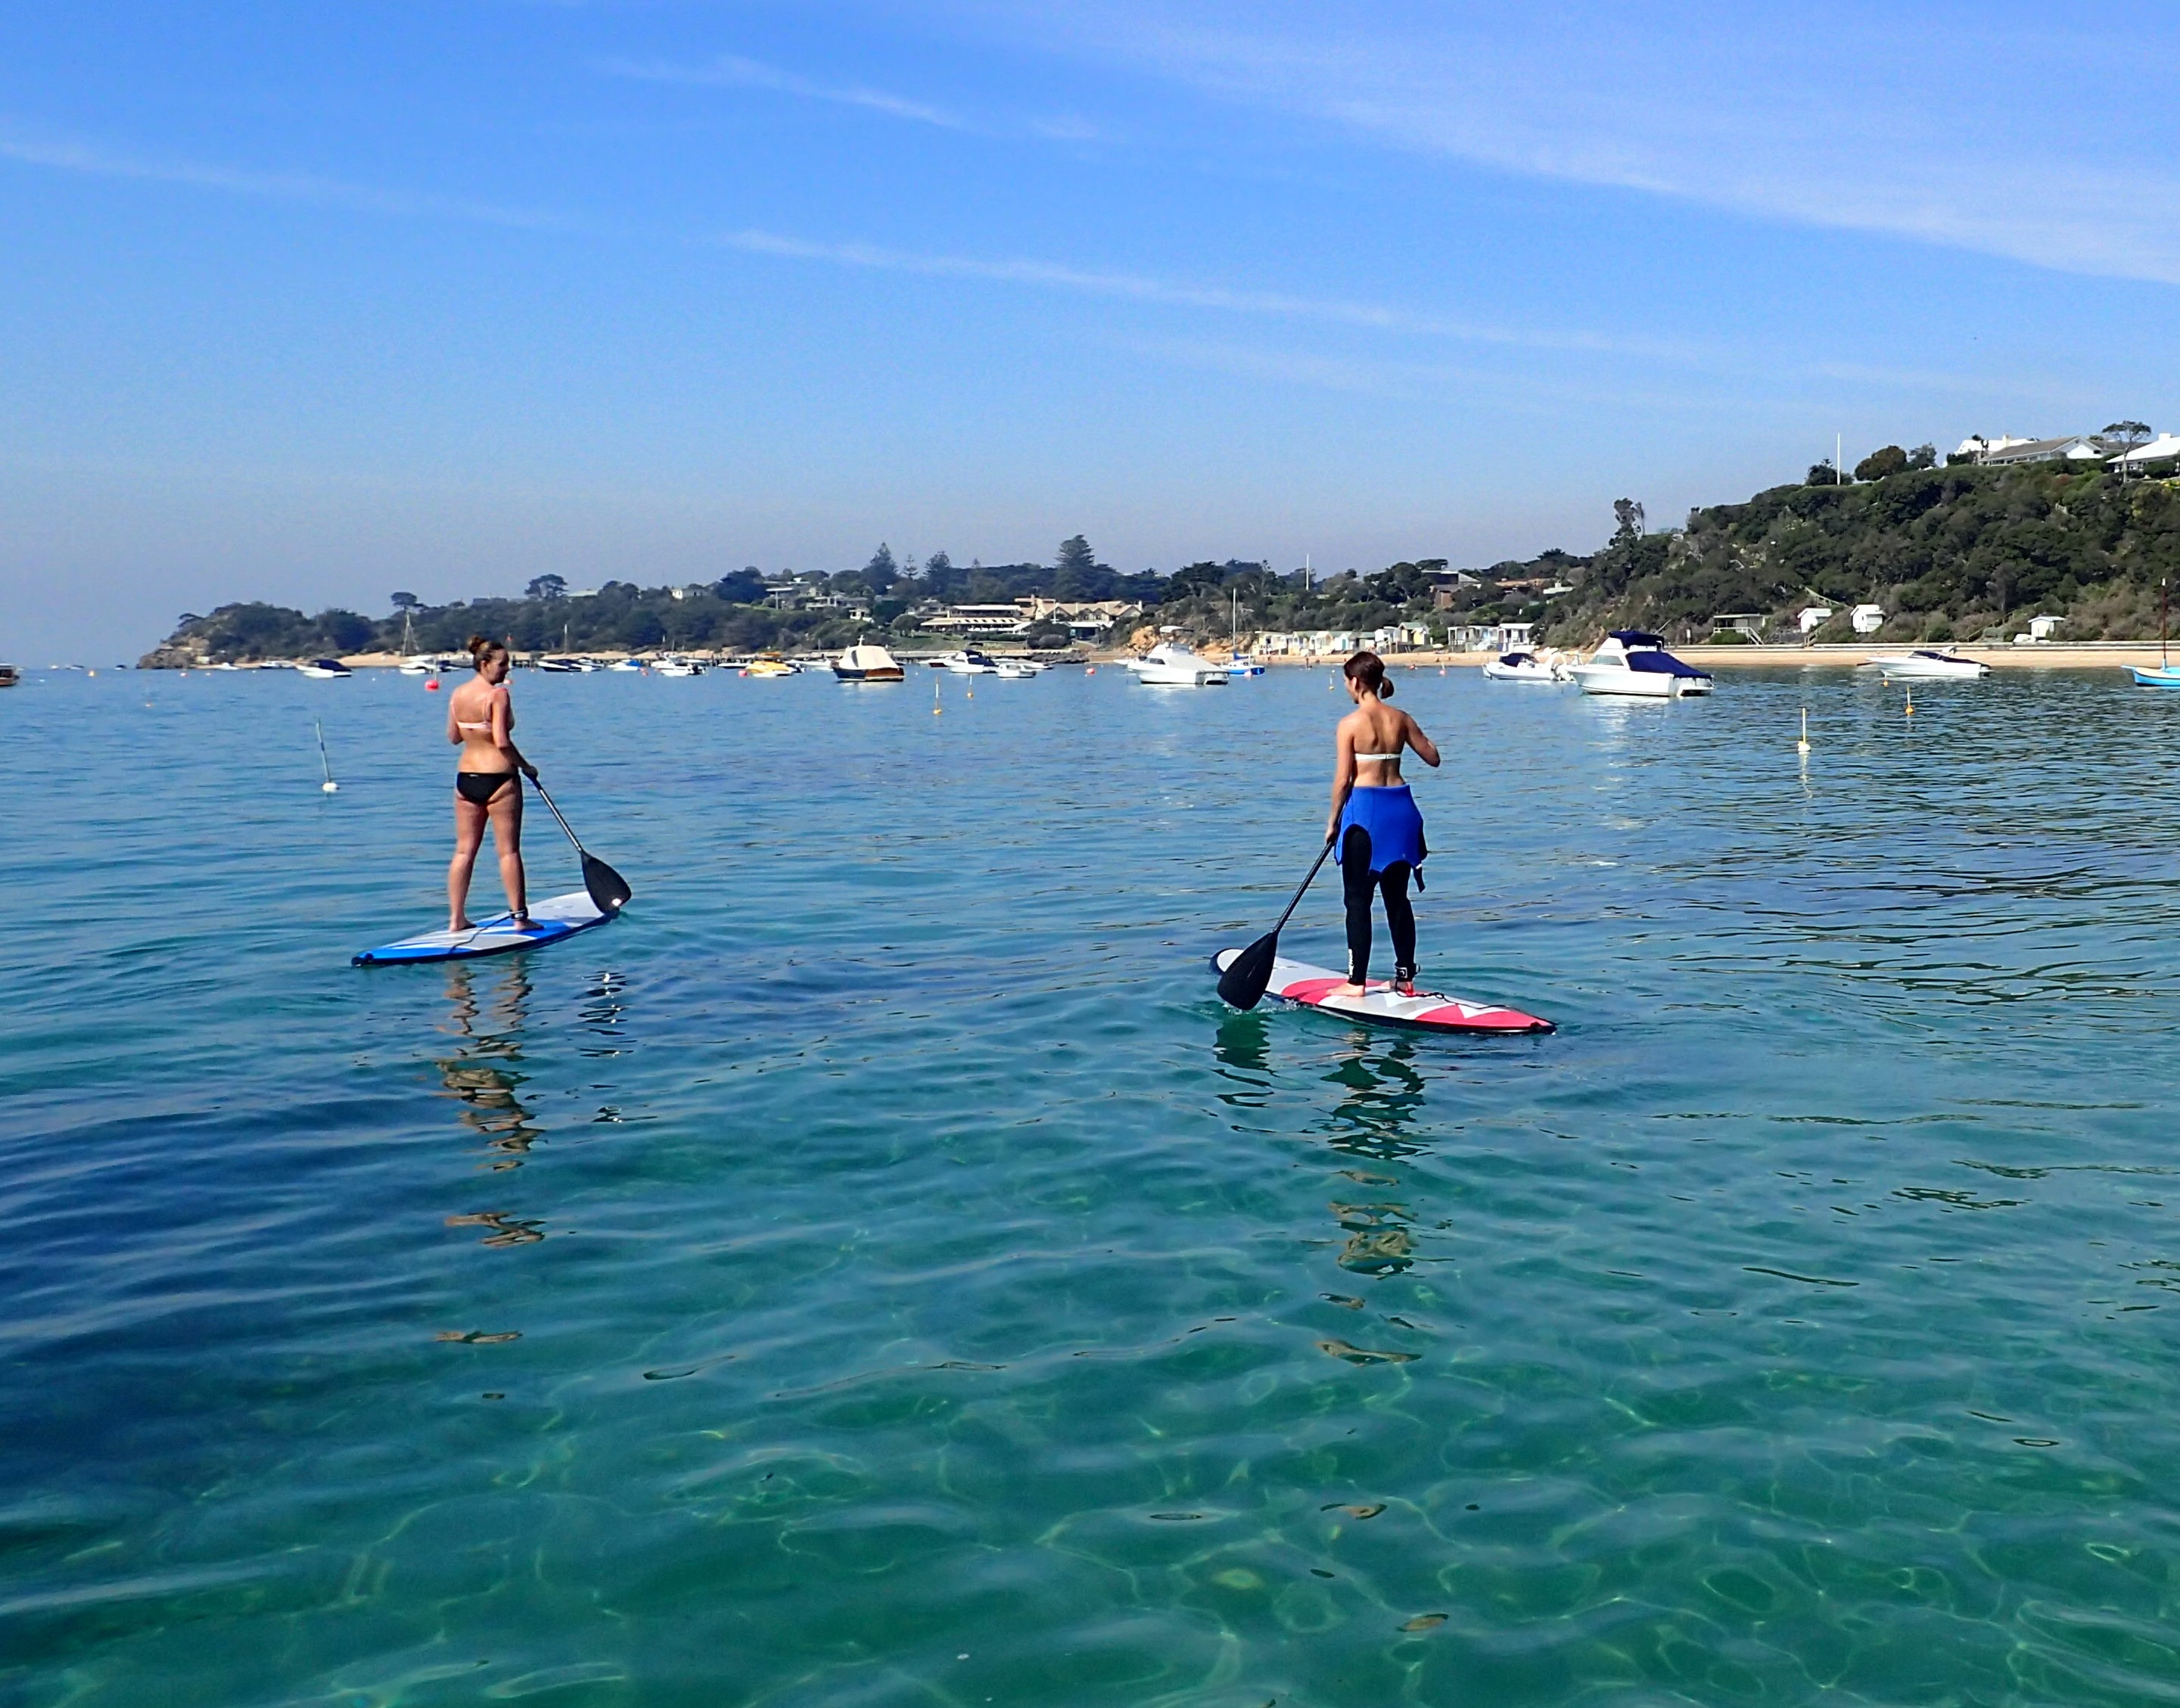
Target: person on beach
column 1378, row 832
column 487, row 783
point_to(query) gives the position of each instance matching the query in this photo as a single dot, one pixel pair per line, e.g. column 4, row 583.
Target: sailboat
column 412, row 663
column 1236, row 665
column 2164, row 676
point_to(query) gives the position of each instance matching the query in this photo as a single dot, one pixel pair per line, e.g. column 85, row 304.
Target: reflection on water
column 482, row 1072
column 1382, row 1094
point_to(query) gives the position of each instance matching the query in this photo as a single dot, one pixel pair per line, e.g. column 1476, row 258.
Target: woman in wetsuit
column 481, row 722
column 1380, row 833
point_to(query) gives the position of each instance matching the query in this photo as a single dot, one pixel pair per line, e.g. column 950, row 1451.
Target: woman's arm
column 1426, row 749
column 503, row 738
column 1343, row 775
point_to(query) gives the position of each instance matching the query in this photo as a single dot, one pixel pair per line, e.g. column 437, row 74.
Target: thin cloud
column 732, row 71
column 1143, row 288
column 69, row 155
column 2043, row 147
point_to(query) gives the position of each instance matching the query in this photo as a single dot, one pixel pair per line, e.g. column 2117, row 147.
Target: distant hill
column 1945, row 552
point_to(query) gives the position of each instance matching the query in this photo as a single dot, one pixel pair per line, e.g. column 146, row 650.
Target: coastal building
column 2077, row 447
column 1813, row 618
column 980, row 620
column 1748, row 623
column 2165, row 446
column 1868, row 619
column 1511, row 637
column 1978, row 447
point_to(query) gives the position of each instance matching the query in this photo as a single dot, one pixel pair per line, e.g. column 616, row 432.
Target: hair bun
column 1369, row 669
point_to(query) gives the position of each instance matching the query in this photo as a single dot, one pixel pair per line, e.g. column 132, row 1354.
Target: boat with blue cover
column 1635, row 662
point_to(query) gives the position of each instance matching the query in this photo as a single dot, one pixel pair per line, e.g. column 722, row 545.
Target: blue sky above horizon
column 310, row 303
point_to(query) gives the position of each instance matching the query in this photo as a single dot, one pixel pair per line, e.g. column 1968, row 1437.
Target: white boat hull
column 1636, row 684
column 1914, row 670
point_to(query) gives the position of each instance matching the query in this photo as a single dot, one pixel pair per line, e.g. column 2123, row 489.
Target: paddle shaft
column 1304, row 890
column 555, row 810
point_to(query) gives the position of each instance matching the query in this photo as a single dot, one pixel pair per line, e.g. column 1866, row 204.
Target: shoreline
column 2116, row 655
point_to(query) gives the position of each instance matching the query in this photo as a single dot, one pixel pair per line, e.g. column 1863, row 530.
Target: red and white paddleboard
column 1427, row 1011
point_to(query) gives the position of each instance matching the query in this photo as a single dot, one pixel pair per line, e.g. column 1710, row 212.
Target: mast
column 2164, row 624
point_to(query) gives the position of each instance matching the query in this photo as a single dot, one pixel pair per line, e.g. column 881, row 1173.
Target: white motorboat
column 1238, row 668
column 324, row 670
column 678, row 666
column 1926, row 663
column 416, row 664
column 1013, row 670
column 1632, row 662
column 868, row 662
column 968, row 662
column 561, row 667
column 1524, row 667
column 1173, row 664
column 626, row 665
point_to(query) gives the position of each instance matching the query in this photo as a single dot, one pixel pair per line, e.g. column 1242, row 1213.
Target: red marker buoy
column 432, row 686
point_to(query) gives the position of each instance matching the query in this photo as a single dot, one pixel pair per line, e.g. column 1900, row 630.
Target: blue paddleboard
column 562, row 916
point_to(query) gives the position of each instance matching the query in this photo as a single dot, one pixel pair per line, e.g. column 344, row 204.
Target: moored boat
column 325, row 670
column 1635, row 662
column 770, row 665
column 1928, row 664
column 9, row 676
column 1521, row 667
column 1174, row 664
column 968, row 662
column 678, row 667
column 868, row 662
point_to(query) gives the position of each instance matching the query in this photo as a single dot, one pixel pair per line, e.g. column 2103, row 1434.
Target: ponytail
column 1368, row 671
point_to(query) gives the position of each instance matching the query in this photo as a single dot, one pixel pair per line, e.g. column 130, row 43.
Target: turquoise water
column 876, row 1270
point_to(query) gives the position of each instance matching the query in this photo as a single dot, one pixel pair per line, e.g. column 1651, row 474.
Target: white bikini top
column 1382, row 758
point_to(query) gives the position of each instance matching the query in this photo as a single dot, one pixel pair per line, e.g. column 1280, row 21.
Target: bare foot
column 1350, row 988
column 459, row 923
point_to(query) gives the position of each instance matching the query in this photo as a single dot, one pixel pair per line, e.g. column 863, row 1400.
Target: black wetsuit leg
column 1358, row 884
column 1400, row 918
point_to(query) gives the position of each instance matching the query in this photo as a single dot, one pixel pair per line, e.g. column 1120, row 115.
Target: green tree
column 743, row 588
column 547, row 587
column 1888, row 460
column 405, row 602
column 881, row 571
column 1924, row 456
column 344, row 632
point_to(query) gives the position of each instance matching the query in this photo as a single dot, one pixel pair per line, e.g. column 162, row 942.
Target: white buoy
column 328, row 787
column 1802, row 746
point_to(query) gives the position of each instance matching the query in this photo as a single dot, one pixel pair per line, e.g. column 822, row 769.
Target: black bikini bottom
column 479, row 787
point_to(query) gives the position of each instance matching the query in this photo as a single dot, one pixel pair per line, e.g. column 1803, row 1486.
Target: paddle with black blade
column 1243, row 981
column 609, row 891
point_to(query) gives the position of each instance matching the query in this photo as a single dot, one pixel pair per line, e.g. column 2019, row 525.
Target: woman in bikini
column 481, row 722
column 1380, row 833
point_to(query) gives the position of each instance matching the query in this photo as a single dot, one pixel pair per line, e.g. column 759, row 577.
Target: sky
column 313, row 302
